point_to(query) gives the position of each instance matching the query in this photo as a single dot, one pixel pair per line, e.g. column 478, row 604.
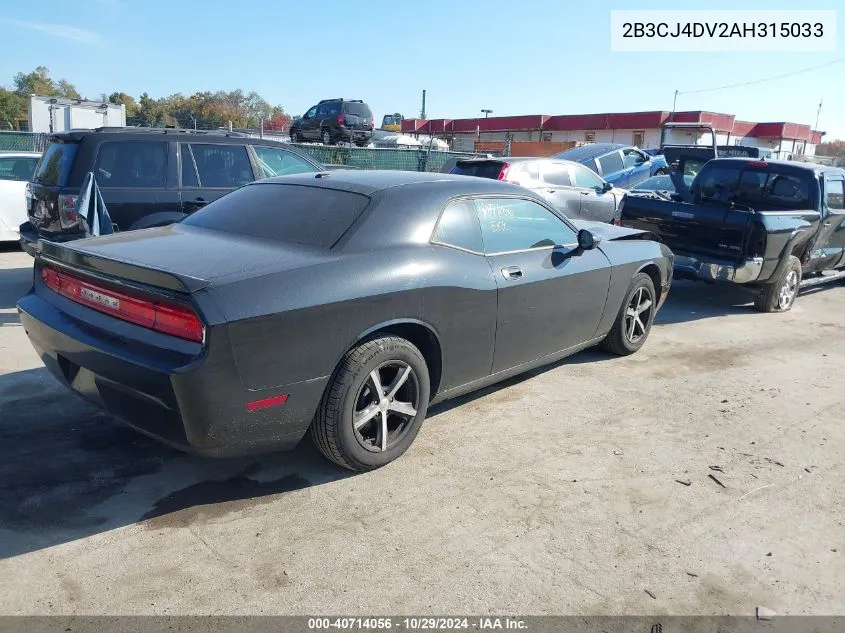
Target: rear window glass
column 358, row 109
column 481, row 169
column 54, row 168
column 610, row 163
column 757, row 188
column 287, row 213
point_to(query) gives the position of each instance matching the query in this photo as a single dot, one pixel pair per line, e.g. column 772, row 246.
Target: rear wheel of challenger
column 633, row 324
column 779, row 295
column 374, row 405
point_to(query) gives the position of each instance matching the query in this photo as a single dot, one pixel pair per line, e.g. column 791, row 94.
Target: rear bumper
column 194, row 404
column 29, row 237
column 686, row 267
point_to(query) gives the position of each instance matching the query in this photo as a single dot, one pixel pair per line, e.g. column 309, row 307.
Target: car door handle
column 512, row 272
column 585, row 193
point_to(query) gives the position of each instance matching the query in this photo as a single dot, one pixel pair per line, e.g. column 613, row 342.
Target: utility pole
column 674, row 103
column 486, row 112
column 422, row 112
column 818, row 113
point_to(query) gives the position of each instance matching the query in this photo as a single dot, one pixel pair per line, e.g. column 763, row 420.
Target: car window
column 513, row 224
column 222, row 165
column 132, row 164
column 610, row 163
column 18, row 168
column 287, row 213
column 556, row 174
column 358, row 109
column 458, row 226
column 757, row 188
column 311, row 113
column 274, row 161
column 478, row 168
column 529, row 171
column 332, row 109
column 834, row 194
column 322, row 110
column 54, row 167
column 585, row 178
column 632, row 157
column 189, row 170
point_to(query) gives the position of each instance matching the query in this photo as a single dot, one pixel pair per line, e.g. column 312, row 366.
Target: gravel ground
column 703, row 475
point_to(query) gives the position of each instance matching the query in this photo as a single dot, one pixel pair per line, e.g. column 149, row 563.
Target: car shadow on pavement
column 68, row 471
column 691, row 301
column 14, row 283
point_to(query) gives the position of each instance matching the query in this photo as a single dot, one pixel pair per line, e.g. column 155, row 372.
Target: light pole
column 486, row 112
column 194, row 120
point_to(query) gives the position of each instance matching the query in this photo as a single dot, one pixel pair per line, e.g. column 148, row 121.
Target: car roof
column 586, row 152
column 368, row 182
column 516, row 159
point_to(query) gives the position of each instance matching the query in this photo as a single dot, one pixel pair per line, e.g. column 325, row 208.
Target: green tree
column 128, row 102
column 12, row 107
column 38, row 82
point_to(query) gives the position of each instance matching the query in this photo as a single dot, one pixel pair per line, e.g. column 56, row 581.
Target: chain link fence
column 405, row 159
column 22, row 142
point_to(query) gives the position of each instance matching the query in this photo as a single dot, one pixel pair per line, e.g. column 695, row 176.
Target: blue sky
column 537, row 57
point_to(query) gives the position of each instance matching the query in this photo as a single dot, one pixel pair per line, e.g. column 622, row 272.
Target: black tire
column 294, row 137
column 780, row 295
column 326, row 137
column 619, row 340
column 351, row 387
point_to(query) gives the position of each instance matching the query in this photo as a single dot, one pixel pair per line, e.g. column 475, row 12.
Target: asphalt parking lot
column 703, row 475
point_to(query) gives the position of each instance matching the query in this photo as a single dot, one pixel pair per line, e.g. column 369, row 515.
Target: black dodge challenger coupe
column 345, row 302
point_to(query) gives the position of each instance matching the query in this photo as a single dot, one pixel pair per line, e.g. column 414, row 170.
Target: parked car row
column 273, row 298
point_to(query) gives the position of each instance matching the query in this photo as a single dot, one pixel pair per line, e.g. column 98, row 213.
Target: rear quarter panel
column 627, row 258
column 297, row 325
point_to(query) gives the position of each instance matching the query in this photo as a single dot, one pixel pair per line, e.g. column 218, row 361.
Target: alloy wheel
column 638, row 314
column 788, row 290
column 386, row 405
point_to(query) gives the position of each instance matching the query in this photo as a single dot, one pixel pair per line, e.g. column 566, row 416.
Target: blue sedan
column 621, row 165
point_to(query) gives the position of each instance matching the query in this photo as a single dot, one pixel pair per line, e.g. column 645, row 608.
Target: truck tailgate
column 715, row 233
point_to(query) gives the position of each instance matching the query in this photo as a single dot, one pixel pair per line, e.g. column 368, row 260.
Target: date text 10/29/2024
column 416, row 624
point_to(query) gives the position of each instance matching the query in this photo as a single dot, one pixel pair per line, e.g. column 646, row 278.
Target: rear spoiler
column 73, row 257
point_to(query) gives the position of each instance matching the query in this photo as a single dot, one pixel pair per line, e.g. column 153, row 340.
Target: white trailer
column 57, row 114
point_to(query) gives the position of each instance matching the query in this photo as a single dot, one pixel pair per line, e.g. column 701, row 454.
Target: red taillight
column 255, row 405
column 617, row 222
column 340, row 119
column 170, row 319
column 503, row 173
column 67, row 211
column 758, row 163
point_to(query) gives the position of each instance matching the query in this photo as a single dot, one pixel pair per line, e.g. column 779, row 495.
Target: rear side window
column 458, row 226
column 18, row 168
column 287, row 213
column 835, row 194
column 131, row 164
column 479, row 168
column 610, row 163
column 189, row 171
column 55, row 164
column 556, row 174
column 222, row 166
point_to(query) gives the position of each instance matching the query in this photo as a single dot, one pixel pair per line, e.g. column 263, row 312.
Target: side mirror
column 586, row 240
column 607, row 187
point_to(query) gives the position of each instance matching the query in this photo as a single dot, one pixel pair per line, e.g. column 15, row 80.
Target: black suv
column 147, row 177
column 335, row 120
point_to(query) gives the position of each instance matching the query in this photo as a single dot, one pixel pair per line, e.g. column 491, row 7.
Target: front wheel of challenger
column 633, row 323
column 374, row 405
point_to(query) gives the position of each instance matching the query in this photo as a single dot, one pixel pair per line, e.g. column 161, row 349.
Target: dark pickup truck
column 772, row 225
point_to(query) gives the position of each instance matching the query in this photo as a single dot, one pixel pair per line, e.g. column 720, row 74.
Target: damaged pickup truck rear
column 774, row 226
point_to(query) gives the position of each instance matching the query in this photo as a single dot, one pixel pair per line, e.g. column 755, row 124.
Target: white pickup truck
column 16, row 169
